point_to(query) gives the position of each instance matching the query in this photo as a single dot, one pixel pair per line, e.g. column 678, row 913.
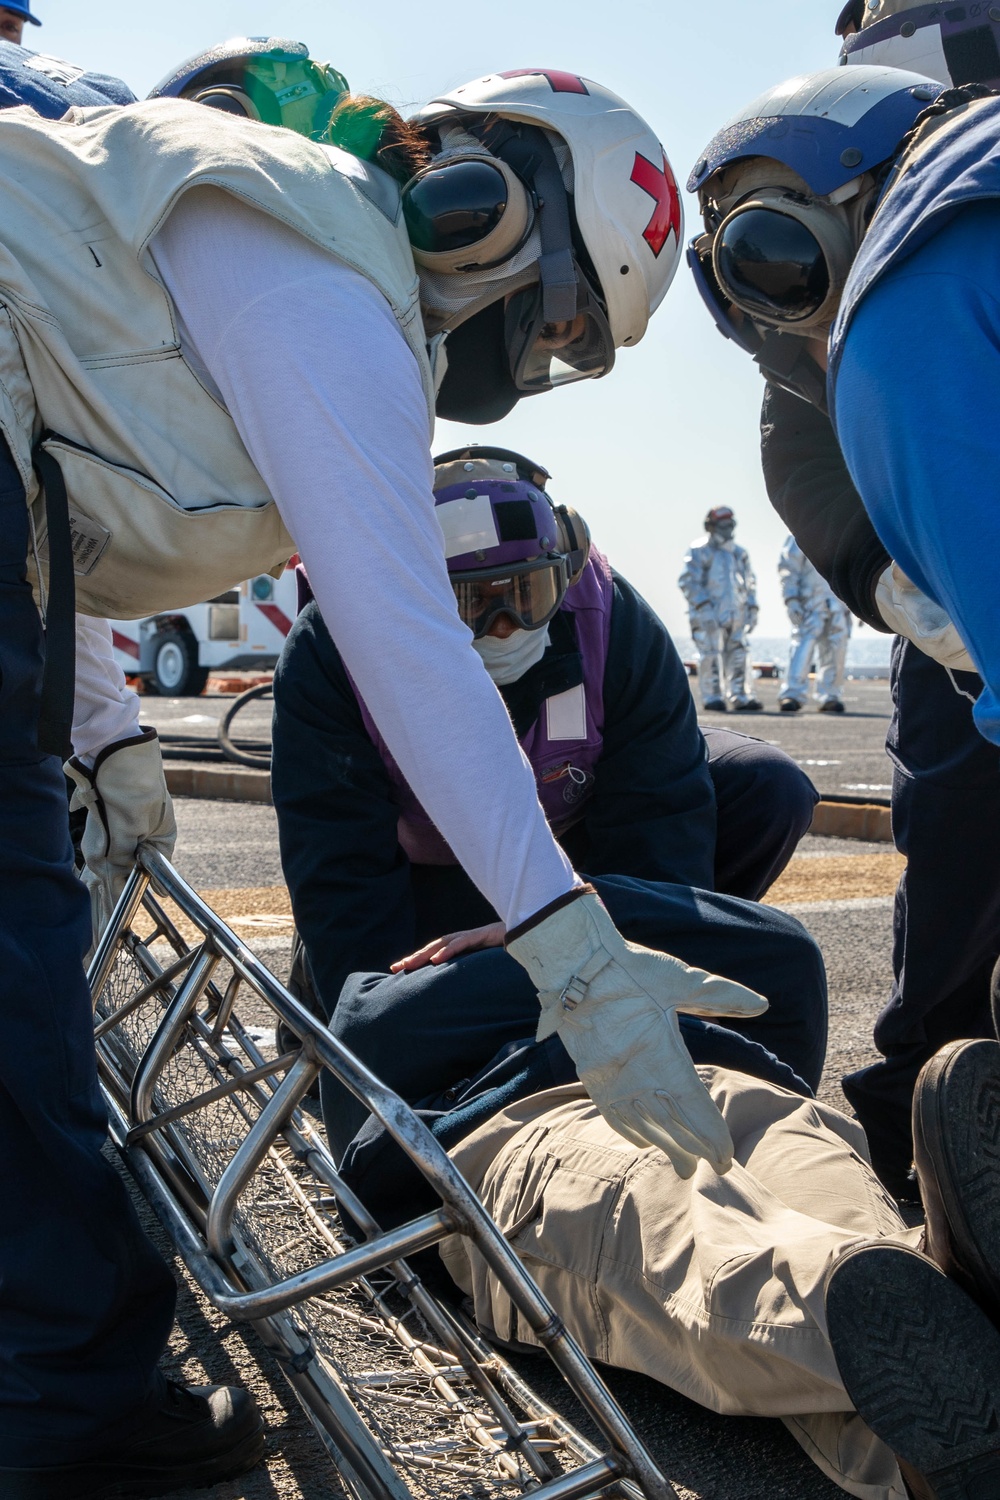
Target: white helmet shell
column 625, row 195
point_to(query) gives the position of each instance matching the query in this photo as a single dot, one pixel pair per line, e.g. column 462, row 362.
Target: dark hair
column 372, row 130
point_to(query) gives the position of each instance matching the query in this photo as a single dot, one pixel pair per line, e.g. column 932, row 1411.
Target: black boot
column 956, row 1141
column 196, row 1437
column 921, row 1363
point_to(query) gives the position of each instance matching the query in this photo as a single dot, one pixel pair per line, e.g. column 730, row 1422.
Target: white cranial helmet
column 624, row 229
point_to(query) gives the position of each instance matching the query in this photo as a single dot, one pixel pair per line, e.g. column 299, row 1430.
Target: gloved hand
column 796, row 613
column 909, row 612
column 614, row 1005
column 127, row 805
column 753, row 614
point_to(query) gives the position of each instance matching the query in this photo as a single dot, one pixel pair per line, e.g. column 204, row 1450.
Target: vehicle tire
column 176, row 673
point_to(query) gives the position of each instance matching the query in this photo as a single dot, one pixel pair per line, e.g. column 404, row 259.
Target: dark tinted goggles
column 731, row 322
column 771, row 265
column 464, row 213
column 545, row 353
column 783, row 358
column 530, row 593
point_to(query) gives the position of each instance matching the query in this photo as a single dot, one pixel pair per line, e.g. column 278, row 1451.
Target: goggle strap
column 557, row 273
column 556, row 266
column 529, row 153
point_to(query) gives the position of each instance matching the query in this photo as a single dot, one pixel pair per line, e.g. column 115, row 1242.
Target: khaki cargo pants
column 713, row 1286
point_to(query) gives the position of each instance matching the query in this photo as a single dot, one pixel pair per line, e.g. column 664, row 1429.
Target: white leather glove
column 127, row 805
column 909, row 612
column 614, row 1006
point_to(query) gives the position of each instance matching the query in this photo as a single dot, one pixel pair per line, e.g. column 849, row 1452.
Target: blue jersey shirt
column 960, row 166
column 52, row 86
column 914, row 382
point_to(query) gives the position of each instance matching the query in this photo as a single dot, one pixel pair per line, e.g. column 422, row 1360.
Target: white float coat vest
column 166, row 506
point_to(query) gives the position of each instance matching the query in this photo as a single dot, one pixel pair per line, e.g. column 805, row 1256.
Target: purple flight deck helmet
column 510, row 550
column 956, row 44
column 774, row 256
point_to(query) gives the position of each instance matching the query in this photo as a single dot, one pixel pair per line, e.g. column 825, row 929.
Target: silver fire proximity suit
column 821, row 628
column 721, row 590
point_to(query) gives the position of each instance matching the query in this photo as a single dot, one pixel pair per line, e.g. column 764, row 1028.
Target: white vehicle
column 243, row 629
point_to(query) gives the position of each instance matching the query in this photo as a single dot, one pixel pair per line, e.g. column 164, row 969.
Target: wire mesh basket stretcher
column 407, row 1397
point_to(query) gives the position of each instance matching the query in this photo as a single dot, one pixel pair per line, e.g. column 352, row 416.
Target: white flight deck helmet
column 581, row 231
column 954, row 44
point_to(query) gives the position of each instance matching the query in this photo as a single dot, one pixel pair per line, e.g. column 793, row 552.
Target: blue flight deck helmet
column 263, row 78
column 956, row 44
column 21, row 8
column 786, row 189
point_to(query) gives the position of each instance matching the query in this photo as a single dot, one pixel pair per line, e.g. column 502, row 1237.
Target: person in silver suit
column 721, row 590
column 821, row 629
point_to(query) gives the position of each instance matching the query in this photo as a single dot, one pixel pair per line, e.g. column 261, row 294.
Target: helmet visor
column 544, row 353
column 771, row 265
column 530, row 593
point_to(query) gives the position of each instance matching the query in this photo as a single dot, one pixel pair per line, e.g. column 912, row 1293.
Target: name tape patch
column 566, row 714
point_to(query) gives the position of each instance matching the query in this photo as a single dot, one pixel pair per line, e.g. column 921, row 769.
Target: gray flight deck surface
column 842, row 753
column 223, row 845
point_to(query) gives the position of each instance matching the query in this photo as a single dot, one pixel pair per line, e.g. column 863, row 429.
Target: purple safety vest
column 563, row 745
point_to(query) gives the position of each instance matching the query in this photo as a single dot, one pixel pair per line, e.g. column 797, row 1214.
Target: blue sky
column 673, row 429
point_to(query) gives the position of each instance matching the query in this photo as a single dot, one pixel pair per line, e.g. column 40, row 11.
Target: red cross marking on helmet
column 659, row 183
column 559, row 83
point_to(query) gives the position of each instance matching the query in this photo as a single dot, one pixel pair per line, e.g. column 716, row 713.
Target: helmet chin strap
column 784, row 360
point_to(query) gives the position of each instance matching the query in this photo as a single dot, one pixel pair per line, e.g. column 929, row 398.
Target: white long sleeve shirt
column 308, row 359
column 105, row 710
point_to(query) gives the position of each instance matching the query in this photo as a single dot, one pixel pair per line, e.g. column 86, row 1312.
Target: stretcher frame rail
column 215, row 1127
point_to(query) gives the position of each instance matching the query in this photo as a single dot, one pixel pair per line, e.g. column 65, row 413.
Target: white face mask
column 507, row 660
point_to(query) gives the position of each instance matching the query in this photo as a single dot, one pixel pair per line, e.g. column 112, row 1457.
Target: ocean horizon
column 864, row 650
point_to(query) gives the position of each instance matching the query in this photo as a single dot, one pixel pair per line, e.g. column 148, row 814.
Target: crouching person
column 670, row 828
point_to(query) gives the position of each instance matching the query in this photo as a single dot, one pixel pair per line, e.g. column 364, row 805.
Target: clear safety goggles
column 544, row 353
column 469, row 212
column 530, row 593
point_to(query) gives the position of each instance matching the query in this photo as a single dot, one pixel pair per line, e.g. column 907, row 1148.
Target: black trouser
column 85, row 1301
column 946, row 923
column 434, row 1029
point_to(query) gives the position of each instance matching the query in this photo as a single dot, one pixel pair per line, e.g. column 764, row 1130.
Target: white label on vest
column 55, row 68
column 923, row 52
column 566, row 715
column 89, row 541
column 467, row 525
